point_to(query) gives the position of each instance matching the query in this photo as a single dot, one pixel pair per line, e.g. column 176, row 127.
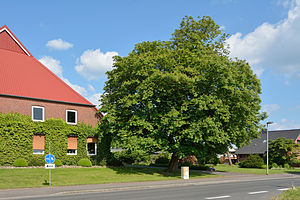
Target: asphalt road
column 257, row 189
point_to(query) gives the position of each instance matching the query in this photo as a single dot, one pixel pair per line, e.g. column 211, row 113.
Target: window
column 38, row 113
column 38, row 144
column 38, row 151
column 72, row 152
column 91, row 145
column 72, row 145
column 71, row 117
column 298, row 141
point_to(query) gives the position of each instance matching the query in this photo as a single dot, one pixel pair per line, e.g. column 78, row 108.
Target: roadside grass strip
column 39, row 177
column 290, row 194
column 236, row 169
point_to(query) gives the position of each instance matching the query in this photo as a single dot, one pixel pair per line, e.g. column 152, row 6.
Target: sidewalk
column 81, row 189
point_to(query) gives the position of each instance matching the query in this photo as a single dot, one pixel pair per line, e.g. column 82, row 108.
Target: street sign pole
column 49, row 169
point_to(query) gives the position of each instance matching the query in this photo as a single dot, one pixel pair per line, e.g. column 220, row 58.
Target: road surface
column 237, row 188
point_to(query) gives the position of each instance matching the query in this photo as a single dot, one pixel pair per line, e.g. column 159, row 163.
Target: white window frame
column 36, row 120
column 72, row 154
column 88, row 151
column 75, row 117
column 38, row 153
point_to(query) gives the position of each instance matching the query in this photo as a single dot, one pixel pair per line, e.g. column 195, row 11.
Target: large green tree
column 184, row 96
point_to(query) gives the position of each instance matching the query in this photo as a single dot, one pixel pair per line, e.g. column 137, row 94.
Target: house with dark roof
column 29, row 88
column 259, row 146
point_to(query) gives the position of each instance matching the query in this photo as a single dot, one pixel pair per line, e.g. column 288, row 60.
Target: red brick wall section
column 72, row 142
column 38, row 142
column 92, row 140
column 52, row 109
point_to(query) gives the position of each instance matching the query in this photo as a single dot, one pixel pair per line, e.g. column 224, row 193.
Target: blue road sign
column 49, row 158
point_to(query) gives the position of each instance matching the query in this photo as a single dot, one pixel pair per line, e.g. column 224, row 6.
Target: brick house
column 258, row 146
column 29, row 88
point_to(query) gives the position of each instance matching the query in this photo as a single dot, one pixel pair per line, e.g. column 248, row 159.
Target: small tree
column 282, row 151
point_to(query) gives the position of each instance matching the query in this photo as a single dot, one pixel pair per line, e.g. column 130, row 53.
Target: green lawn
column 293, row 194
column 236, row 169
column 38, row 177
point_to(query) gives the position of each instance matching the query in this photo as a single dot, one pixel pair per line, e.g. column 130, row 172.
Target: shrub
column 253, row 161
column 20, row 162
column 189, row 160
column 36, row 161
column 264, row 166
column 58, row 163
column 114, row 162
column 200, row 167
column 186, row 164
column 162, row 160
column 274, row 165
column 286, row 166
column 130, row 157
column 84, row 162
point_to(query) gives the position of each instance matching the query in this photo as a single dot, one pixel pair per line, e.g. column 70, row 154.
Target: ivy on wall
column 16, row 135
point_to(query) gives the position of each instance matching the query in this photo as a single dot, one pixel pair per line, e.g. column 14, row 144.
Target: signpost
column 49, row 158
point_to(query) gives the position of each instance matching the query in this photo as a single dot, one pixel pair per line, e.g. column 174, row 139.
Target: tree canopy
column 283, row 151
column 185, row 96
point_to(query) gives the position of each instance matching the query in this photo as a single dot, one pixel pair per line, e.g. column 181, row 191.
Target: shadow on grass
column 293, row 172
column 153, row 171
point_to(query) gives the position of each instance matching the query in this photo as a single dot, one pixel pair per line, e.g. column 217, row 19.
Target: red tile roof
column 24, row 76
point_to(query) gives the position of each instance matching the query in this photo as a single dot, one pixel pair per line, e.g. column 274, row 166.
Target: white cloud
column 273, row 46
column 56, row 68
column 91, row 88
column 93, row 63
column 270, row 108
column 284, row 124
column 59, row 44
column 77, row 88
column 52, row 64
column 95, row 99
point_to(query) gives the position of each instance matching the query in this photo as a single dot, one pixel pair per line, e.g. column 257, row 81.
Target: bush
column 84, row 162
column 159, row 165
column 189, row 160
column 162, row 160
column 286, row 166
column 264, row 166
column 20, row 162
column 130, row 157
column 186, row 164
column 58, row 163
column 36, row 161
column 253, row 161
column 200, row 167
column 274, row 165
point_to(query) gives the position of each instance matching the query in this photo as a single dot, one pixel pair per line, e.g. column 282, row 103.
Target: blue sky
column 77, row 39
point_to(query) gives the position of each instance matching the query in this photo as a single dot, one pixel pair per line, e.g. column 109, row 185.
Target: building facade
column 29, row 88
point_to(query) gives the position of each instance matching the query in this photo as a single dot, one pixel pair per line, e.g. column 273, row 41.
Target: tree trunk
column 173, row 165
column 229, row 159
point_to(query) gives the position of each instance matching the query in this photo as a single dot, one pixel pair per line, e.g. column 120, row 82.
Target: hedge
column 16, row 135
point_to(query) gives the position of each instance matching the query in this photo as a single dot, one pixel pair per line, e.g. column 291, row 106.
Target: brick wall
column 52, row 109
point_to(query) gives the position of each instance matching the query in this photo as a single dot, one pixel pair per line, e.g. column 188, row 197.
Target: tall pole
column 268, row 147
column 267, row 150
column 49, row 169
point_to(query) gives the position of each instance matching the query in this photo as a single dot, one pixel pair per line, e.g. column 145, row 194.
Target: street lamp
column 268, row 147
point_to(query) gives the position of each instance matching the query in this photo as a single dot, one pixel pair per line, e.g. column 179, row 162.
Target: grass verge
column 293, row 194
column 38, row 177
column 236, row 169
